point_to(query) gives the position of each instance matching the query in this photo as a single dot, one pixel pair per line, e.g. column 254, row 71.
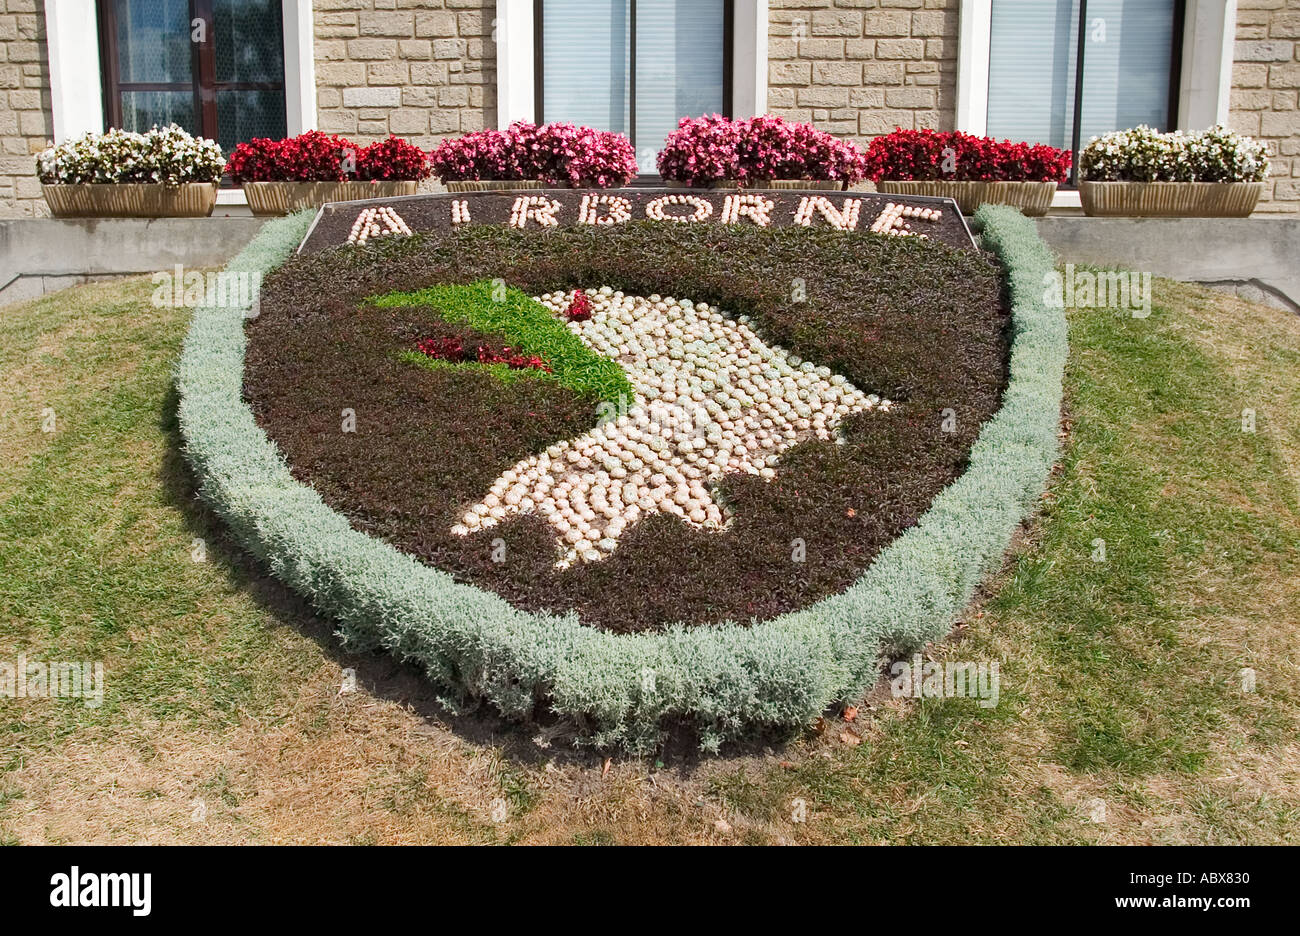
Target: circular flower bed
column 863, row 313
column 804, row 516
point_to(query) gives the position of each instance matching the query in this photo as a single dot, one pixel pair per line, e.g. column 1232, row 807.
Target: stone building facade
column 25, row 113
column 862, row 69
column 428, row 69
column 420, row 70
column 1265, row 85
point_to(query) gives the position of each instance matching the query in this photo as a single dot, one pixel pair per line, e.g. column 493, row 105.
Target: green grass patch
column 1120, row 678
column 525, row 324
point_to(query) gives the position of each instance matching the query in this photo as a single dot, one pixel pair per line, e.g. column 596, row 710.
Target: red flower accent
column 453, row 350
column 579, row 307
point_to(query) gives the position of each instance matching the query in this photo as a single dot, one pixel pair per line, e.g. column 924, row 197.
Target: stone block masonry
column 422, row 69
column 1265, row 84
column 860, row 68
column 26, row 124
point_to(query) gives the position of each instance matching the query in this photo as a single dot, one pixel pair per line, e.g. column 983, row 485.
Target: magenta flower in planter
column 713, row 148
column 554, row 153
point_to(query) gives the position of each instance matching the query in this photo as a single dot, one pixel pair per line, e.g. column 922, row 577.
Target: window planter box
column 131, row 200
column 494, row 185
column 282, row 198
column 1170, row 199
column 808, row 185
column 1032, row 198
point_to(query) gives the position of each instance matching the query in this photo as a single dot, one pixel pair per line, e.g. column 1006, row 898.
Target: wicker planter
column 1170, row 199
column 282, row 198
column 131, row 200
column 494, row 185
column 1032, row 198
column 809, row 185
column 800, row 185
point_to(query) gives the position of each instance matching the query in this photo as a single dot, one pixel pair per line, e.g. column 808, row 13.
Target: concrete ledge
column 39, row 255
column 1257, row 258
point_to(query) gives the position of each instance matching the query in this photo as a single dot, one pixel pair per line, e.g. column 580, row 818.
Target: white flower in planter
column 168, row 155
column 711, row 398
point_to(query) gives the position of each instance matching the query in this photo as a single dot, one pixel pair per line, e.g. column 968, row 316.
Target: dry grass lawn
column 1121, row 718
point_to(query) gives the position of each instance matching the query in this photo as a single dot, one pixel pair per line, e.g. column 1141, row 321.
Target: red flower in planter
column 323, row 157
column 555, row 153
column 754, row 150
column 928, row 155
column 393, row 159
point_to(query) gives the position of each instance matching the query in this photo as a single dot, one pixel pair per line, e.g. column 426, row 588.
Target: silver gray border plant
column 723, row 682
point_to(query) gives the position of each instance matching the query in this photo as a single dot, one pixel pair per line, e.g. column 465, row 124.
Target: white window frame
column 516, row 73
column 76, row 83
column 1205, row 81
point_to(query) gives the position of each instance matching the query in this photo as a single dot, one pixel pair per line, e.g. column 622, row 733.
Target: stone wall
column 423, row 69
column 26, row 126
column 426, row 69
column 1265, row 83
column 859, row 68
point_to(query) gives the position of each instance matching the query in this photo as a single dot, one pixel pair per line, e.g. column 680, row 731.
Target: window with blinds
column 1128, row 50
column 633, row 66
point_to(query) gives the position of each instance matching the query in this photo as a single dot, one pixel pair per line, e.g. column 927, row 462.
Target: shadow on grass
column 382, row 675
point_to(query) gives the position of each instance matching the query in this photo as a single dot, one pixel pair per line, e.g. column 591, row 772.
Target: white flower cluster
column 605, row 210
column 383, row 221
column 1145, row 155
column 655, row 209
column 537, row 208
column 711, row 398
column 893, row 220
column 169, row 156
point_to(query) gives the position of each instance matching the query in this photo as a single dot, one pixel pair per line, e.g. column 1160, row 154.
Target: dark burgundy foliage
column 920, row 323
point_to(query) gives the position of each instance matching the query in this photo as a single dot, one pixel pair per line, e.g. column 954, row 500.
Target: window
column 633, row 66
column 1128, row 51
column 215, row 67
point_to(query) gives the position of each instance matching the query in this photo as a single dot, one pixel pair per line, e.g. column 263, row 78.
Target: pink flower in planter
column 555, row 154
column 758, row 149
